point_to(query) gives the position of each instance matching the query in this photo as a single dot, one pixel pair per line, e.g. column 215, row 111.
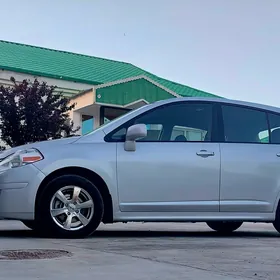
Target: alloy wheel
column 71, row 208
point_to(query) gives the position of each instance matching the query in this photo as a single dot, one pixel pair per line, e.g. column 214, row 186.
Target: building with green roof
column 102, row 88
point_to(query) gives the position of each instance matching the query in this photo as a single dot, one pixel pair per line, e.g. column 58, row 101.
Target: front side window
column 190, row 133
column 186, row 121
column 153, row 132
column 244, row 125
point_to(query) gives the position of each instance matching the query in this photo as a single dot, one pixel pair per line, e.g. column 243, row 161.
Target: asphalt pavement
column 146, row 251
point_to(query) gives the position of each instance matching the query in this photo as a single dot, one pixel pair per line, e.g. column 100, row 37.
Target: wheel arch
column 276, row 205
column 88, row 174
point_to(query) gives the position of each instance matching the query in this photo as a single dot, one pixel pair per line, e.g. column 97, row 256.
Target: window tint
column 176, row 122
column 191, row 134
column 119, row 134
column 244, row 125
column 274, row 123
column 153, row 132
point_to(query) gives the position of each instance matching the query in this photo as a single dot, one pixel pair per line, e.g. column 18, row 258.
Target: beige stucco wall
column 84, row 99
column 83, row 102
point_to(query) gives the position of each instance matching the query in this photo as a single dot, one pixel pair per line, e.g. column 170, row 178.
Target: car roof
column 220, row 100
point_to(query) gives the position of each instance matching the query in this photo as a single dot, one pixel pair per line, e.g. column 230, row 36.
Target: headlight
column 20, row 158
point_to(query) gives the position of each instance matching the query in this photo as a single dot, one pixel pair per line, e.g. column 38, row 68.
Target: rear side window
column 274, row 124
column 244, row 125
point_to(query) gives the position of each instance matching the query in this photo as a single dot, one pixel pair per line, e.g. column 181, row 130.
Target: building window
column 87, row 124
column 110, row 113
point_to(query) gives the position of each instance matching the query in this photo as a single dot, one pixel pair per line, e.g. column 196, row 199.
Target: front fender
column 98, row 158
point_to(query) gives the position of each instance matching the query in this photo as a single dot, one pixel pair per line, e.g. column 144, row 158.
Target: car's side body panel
column 168, row 177
column 250, row 177
column 100, row 160
column 18, row 188
column 193, row 216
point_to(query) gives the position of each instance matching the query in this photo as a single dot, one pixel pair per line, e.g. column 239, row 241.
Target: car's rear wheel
column 70, row 207
column 224, row 227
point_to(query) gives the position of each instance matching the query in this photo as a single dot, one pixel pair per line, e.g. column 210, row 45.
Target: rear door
column 250, row 165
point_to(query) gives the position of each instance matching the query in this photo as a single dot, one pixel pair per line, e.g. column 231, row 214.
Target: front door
column 169, row 177
column 176, row 168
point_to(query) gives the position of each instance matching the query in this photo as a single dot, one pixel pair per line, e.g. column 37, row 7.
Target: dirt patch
column 33, row 254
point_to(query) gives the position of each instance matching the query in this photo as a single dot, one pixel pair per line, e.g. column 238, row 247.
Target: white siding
column 67, row 87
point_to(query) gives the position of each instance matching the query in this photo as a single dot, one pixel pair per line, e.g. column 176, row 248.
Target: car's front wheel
column 70, row 207
column 30, row 224
column 224, row 227
column 276, row 223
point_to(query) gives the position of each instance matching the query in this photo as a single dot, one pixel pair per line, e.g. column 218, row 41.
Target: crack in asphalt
column 168, row 262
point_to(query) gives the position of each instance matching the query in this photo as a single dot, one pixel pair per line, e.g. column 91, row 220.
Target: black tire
column 46, row 224
column 30, row 224
column 276, row 223
column 224, row 227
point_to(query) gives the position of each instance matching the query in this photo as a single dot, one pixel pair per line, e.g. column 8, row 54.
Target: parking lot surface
column 147, row 251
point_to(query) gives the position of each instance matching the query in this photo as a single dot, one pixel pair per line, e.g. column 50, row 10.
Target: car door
column 250, row 164
column 176, row 168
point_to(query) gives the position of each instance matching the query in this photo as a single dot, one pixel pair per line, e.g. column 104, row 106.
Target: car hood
column 49, row 144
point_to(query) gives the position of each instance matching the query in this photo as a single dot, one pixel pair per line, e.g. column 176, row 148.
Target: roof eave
column 134, row 78
column 46, row 75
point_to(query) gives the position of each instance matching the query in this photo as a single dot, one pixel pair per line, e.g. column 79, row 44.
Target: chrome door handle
column 278, row 155
column 205, row 153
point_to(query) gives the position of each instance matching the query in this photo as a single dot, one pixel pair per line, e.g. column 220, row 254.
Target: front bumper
column 18, row 189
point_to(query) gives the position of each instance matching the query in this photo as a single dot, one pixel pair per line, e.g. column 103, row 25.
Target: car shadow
column 151, row 234
column 182, row 234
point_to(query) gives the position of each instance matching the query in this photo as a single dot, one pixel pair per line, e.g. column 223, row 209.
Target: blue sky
column 227, row 47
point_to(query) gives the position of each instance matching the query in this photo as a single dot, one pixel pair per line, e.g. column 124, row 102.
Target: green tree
column 32, row 111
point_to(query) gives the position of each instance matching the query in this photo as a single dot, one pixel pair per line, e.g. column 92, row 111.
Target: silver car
column 180, row 160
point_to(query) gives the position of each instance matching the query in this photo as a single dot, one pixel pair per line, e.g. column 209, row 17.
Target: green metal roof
column 131, row 91
column 77, row 67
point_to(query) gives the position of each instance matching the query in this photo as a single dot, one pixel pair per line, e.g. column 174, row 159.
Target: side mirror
column 133, row 133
